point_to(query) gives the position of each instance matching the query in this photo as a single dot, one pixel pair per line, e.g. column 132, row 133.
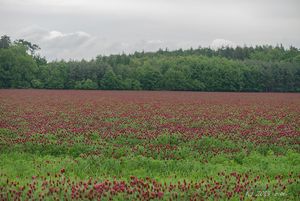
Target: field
column 125, row 145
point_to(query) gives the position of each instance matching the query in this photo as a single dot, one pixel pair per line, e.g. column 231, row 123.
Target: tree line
column 260, row 68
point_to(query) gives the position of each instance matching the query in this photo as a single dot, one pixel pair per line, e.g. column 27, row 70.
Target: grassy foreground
column 263, row 172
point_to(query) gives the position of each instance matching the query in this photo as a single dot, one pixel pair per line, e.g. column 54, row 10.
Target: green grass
column 26, row 164
column 88, row 155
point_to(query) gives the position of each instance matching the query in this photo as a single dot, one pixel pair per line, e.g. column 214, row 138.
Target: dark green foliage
column 86, row 84
column 5, row 42
column 110, row 80
column 17, row 68
column 36, row 83
column 131, row 84
column 28, row 45
column 150, row 78
column 260, row 68
column 175, row 80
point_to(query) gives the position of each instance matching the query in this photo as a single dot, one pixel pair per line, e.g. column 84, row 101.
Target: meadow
column 138, row 145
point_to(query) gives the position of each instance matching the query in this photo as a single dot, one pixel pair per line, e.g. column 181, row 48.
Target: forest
column 263, row 68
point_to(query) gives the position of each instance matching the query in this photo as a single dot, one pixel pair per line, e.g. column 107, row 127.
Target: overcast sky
column 85, row 28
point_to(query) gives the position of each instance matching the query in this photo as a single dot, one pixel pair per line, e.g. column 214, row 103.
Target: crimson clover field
column 126, row 145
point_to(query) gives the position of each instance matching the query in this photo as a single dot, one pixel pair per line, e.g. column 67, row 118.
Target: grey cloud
column 56, row 44
column 84, row 28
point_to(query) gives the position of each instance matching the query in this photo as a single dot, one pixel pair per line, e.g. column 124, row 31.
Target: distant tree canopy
column 260, row 68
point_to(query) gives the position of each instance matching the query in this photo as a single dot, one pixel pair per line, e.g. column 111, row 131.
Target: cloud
column 42, row 34
column 85, row 28
column 219, row 43
column 57, row 39
column 57, row 34
column 56, row 44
